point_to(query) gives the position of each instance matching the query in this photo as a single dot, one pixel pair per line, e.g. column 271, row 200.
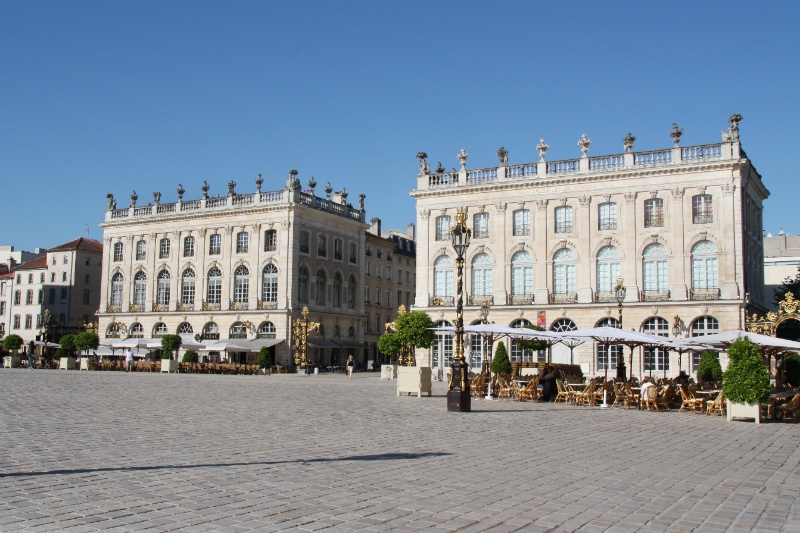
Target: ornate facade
column 681, row 226
column 239, row 267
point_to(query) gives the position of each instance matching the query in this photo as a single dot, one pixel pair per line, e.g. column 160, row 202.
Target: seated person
column 646, row 384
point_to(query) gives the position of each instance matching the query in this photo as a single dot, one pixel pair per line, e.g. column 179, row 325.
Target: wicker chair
column 792, row 409
column 716, row 406
column 649, row 397
column 690, row 401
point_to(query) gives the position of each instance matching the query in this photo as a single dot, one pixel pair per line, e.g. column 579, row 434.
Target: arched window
column 337, row 289
column 187, row 287
column 654, row 267
column 517, row 353
column 241, row 284
column 302, row 284
column 522, row 278
column 238, row 331
column 705, row 283
column 482, row 276
column 321, row 286
column 443, row 278
column 656, row 358
column 563, row 324
column 214, row 286
column 113, row 331
column 17, row 296
column 608, row 356
column 160, row 330
column 702, row 326
column 337, row 331
column 351, row 292
column 162, row 288
column 564, row 275
column 443, row 347
column 185, row 328
column 211, row 331
column 139, row 288
column 137, row 330
column 163, row 248
column 608, row 270
column 116, row 289
column 267, row 330
column 41, row 296
column 269, row 284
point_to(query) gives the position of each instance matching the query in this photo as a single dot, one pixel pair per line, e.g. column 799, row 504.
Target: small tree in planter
column 68, row 344
column 190, row 357
column 709, row 368
column 264, row 359
column 12, row 343
column 88, row 340
column 413, row 330
column 389, row 344
column 500, row 363
column 746, row 383
column 169, row 344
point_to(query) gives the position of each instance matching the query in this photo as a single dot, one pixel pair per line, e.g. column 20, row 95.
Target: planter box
column 169, row 365
column 744, row 410
column 389, row 372
column 66, row 363
column 11, row 361
column 414, row 379
column 264, row 371
column 86, row 363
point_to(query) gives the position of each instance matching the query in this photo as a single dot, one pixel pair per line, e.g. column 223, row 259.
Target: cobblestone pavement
column 87, row 451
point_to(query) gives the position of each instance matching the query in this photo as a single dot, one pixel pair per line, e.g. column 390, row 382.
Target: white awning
column 257, row 344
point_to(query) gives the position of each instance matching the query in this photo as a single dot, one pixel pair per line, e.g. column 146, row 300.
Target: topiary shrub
column 190, row 356
column 170, row 343
column 500, row 362
column 709, row 368
column 12, row 343
column 87, row 340
column 264, row 360
column 746, row 380
column 791, row 369
column 68, row 344
column 61, row 352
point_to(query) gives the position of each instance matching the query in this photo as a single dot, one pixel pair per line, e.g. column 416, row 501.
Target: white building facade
column 681, row 226
column 238, row 267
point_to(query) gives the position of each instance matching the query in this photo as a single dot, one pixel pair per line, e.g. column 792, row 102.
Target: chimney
column 411, row 231
column 375, row 226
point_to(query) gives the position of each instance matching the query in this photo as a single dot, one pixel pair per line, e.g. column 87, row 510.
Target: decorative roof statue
column 502, row 155
column 440, row 169
column 732, row 134
column 676, row 133
column 423, row 163
column 259, row 182
column 312, row 184
column 627, row 142
column 112, row 204
column 584, row 143
column 361, row 198
column 542, row 147
column 181, row 190
column 343, row 194
column 156, row 198
column 134, row 197
column 205, row 188
column 231, row 188
column 328, row 190
column 462, row 158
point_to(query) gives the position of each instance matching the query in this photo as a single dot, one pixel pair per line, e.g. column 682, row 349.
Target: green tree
column 190, row 357
column 68, row 344
column 791, row 369
column 88, row 340
column 264, row 359
column 500, row 362
column 389, row 344
column 12, row 342
column 412, row 330
column 709, row 368
column 746, row 379
column 170, row 343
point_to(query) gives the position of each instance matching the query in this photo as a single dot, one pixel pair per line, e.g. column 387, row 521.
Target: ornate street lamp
column 619, row 294
column 488, row 340
column 300, row 330
column 458, row 397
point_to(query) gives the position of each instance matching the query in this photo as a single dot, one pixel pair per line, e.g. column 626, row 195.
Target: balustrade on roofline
column 606, row 163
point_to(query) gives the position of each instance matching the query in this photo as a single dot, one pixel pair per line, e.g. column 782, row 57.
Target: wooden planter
column 744, row 410
column 11, row 361
column 169, row 365
column 389, row 372
column 414, row 379
column 66, row 363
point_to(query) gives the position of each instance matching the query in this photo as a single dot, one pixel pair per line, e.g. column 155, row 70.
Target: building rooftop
column 81, row 243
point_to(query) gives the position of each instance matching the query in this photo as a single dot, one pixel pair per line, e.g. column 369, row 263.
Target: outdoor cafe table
column 578, row 386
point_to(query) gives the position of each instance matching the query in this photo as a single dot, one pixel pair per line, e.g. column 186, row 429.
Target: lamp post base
column 458, row 401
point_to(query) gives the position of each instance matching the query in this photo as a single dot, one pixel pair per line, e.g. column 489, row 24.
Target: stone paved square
column 92, row 451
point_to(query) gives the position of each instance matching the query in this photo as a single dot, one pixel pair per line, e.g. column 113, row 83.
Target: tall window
column 656, row 358
column 522, row 277
column 564, row 219
column 241, row 284
column 28, row 321
column 162, row 288
column 337, row 289
column 654, row 266
column 482, row 276
column 17, row 297
column 522, row 222
column 353, row 253
column 517, row 353
column 443, row 277
column 443, row 228
column 321, row 286
column 701, row 209
column 351, row 292
column 215, row 244
column 41, row 297
column 442, row 346
column 29, row 297
column 214, row 286
column 480, row 225
column 16, row 321
column 117, row 251
column 270, row 240
column 269, row 284
column 305, row 242
column 607, row 356
column 705, row 325
column 302, row 284
column 607, row 216
column 141, row 250
column 654, row 213
column 337, row 249
column 242, row 242
column 608, row 269
column 322, row 246
column 564, row 272
column 188, row 246
column 139, row 288
column 187, row 287
column 163, row 248
column 475, row 352
column 116, row 290
column 704, row 266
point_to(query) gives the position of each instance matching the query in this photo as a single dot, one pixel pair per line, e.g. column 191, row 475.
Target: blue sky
column 101, row 97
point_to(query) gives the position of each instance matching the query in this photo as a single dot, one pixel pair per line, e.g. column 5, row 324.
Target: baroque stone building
column 238, row 267
column 681, row 226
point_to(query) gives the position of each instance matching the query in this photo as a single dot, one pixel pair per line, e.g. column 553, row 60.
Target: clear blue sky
column 101, row 97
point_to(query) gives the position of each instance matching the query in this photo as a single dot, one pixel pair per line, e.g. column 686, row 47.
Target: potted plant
column 389, row 344
column 67, row 360
column 169, row 344
column 501, row 365
column 745, row 383
column 88, row 340
column 709, row 368
column 264, row 360
column 413, row 330
column 12, row 343
column 189, row 357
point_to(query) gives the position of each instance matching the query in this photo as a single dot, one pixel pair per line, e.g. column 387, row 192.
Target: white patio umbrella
column 767, row 345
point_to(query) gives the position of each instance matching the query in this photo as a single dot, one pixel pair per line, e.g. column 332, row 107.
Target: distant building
column 781, row 261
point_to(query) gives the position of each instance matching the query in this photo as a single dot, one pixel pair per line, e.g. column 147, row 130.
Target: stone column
column 677, row 263
column 497, row 236
column 541, row 275
column 583, row 227
column 632, row 224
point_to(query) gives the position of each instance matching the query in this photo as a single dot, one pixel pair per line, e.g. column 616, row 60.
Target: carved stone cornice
column 630, row 197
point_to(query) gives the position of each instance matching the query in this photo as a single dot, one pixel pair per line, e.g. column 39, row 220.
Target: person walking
column 31, row 347
column 129, row 360
column 350, row 367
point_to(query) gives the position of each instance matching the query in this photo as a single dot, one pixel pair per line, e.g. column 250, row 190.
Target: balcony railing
column 478, row 300
column 442, row 301
column 608, row 225
column 114, row 309
column 160, row 308
column 520, row 299
column 654, row 296
column 564, row 298
column 136, row 308
column 212, row 306
column 564, row 227
column 480, row 233
column 605, row 297
column 184, row 307
column 705, row 294
column 238, row 306
column 654, row 221
column 705, row 218
column 266, row 304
